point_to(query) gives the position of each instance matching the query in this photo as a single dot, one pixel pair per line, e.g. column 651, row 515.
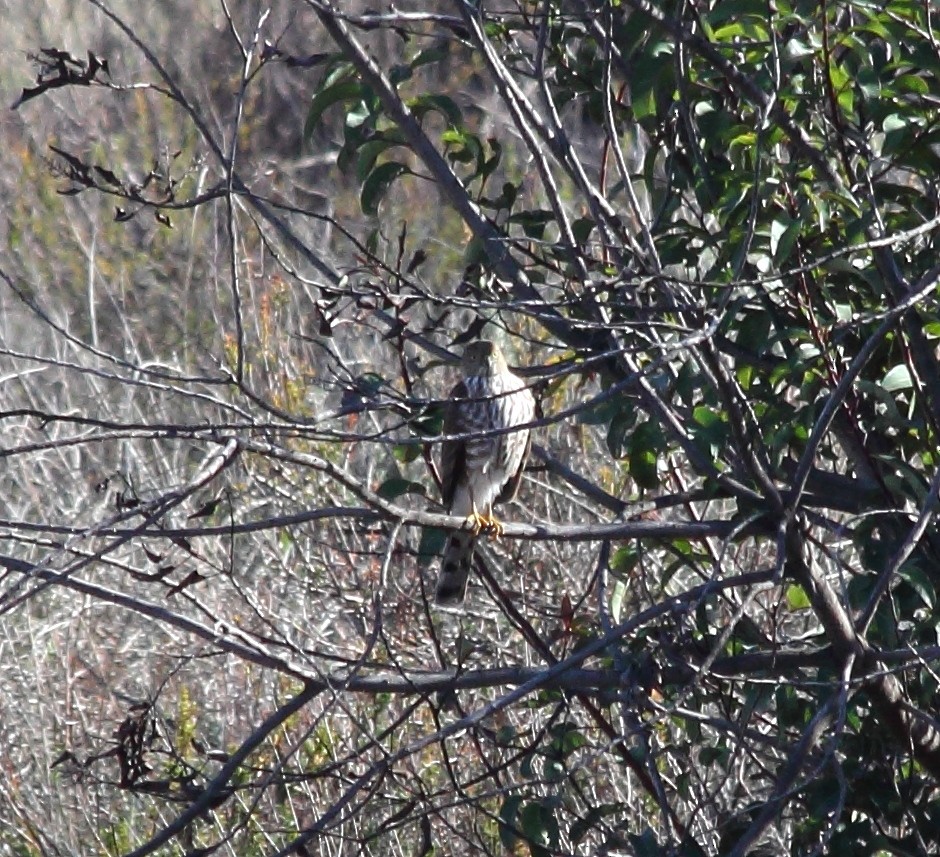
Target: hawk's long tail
column 455, row 568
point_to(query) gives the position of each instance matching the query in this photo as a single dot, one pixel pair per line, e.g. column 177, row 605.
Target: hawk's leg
column 484, row 522
column 479, row 523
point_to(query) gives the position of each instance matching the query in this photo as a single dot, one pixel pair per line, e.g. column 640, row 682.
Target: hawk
column 480, row 471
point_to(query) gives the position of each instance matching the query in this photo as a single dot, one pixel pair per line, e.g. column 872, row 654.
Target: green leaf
column 843, row 86
column 369, row 383
column 598, row 414
column 745, row 140
column 533, row 222
column 454, row 136
column 466, row 147
column 443, row 104
column 783, row 234
column 583, row 826
column 644, row 103
column 570, row 738
column 896, row 128
column 645, row 449
column 624, row 560
column 505, row 200
column 341, row 91
column 582, row 229
column 370, row 151
column 617, row 432
column 406, row 452
column 474, row 253
column 507, row 821
column 710, row 427
column 729, row 33
column 797, row 599
column 920, row 582
column 650, row 75
column 705, row 416
column 430, row 423
column 431, row 545
column 396, row 486
column 399, row 74
column 897, row 378
column 912, row 83
column 433, row 54
column 376, row 185
column 553, row 771
column 616, row 601
column 645, row 845
column 358, row 115
column 710, row 755
column 492, row 162
column 539, row 826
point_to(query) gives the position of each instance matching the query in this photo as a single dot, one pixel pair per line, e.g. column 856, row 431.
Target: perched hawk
column 479, row 471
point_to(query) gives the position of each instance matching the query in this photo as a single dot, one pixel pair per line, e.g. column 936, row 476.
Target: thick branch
column 912, row 729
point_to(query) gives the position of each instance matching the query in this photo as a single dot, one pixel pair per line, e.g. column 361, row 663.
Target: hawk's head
column 483, row 358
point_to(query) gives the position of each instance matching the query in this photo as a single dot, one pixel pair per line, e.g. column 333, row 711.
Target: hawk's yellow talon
column 494, row 528
column 478, row 523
